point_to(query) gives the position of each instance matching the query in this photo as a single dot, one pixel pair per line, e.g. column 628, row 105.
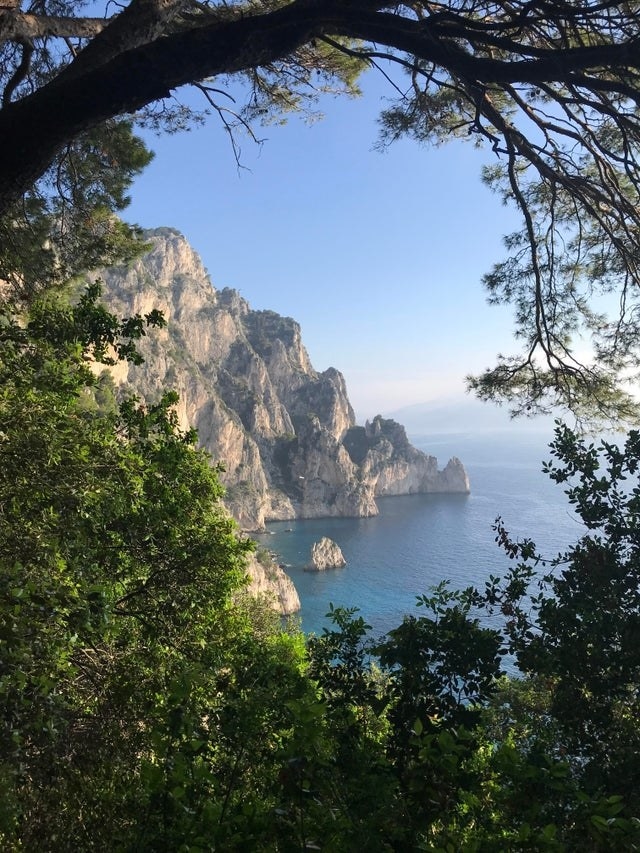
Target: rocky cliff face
column 269, row 581
column 285, row 434
column 386, row 457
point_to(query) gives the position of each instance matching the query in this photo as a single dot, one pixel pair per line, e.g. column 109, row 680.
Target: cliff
column 285, row 433
column 268, row 580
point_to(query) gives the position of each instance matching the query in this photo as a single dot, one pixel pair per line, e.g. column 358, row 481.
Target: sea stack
column 325, row 554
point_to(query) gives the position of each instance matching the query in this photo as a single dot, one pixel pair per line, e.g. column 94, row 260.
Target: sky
column 378, row 255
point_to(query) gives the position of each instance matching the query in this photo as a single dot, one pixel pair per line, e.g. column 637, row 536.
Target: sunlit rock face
column 273, row 584
column 397, row 468
column 284, row 433
column 325, row 554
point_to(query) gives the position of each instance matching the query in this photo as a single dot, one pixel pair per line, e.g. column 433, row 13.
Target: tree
column 141, row 709
column 134, row 691
column 576, row 623
column 69, row 224
column 550, row 88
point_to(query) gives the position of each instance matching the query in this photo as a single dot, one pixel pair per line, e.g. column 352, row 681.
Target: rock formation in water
column 284, row 433
column 325, row 554
column 385, row 457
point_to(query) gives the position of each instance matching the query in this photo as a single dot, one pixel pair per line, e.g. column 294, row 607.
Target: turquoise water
column 418, row 540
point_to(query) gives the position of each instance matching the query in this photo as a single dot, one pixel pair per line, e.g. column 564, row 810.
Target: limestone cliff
column 386, row 457
column 285, row 433
column 268, row 580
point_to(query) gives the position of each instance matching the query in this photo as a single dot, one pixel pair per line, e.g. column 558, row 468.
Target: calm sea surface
column 418, row 540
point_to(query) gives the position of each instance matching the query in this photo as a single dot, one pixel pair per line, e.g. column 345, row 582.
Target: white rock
column 272, row 583
column 284, row 433
column 325, row 554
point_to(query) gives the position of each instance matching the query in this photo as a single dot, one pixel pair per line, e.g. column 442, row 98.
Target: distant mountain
column 284, row 433
column 466, row 415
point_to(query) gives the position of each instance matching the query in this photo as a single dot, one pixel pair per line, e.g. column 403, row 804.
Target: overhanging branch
column 89, row 92
column 19, row 26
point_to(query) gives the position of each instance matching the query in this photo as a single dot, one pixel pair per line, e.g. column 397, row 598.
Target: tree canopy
column 550, row 89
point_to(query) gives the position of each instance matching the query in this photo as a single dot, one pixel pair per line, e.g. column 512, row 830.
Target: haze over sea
column 418, row 540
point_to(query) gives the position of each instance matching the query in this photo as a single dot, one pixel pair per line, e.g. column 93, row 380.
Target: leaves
column 67, row 224
column 140, row 708
column 117, row 563
column 549, row 92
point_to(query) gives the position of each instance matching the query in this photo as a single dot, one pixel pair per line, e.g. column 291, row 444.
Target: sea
column 417, row 541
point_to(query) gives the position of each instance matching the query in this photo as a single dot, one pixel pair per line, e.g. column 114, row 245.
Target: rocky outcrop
column 454, row 478
column 270, row 582
column 284, row 433
column 325, row 554
column 395, row 467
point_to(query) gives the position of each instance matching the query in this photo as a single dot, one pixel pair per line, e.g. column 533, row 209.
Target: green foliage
column 100, row 399
column 462, row 756
column 146, row 704
column 130, row 685
column 443, row 664
column 67, row 223
column 577, row 199
column 571, row 623
column 263, row 556
column 551, row 93
column 582, row 631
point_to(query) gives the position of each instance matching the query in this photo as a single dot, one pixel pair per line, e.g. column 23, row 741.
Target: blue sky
column 378, row 256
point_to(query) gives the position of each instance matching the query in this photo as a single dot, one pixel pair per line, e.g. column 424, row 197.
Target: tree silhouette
column 550, row 88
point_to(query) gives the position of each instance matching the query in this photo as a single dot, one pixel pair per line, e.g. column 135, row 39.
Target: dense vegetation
column 147, row 704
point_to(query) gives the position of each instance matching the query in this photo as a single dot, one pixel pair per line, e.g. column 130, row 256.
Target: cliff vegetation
column 147, row 703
